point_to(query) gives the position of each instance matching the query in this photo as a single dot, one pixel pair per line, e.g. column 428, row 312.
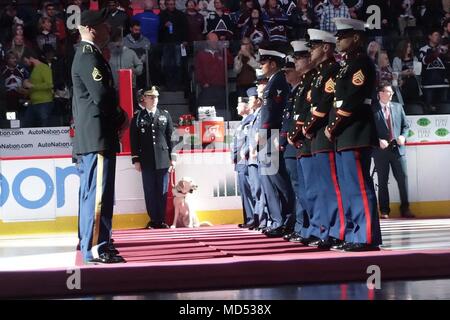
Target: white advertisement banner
column 25, row 142
column 435, row 128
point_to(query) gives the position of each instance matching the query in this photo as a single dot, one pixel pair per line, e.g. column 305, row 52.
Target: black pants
column 384, row 160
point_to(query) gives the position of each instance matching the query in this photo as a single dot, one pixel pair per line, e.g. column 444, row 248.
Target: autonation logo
column 15, row 146
column 9, row 133
column 48, row 131
column 16, row 185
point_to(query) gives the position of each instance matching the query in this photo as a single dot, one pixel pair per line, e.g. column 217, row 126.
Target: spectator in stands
column 8, row 17
column 58, row 24
column 46, row 36
column 255, row 29
column 241, row 17
column 302, row 19
column 136, row 41
column 123, row 58
column 434, row 14
column 373, row 50
column 387, row 75
column 13, row 75
column 149, row 21
column 117, row 19
column 336, row 9
column 219, row 21
column 354, row 7
column 195, row 22
column 40, row 86
column 245, row 64
column 434, row 75
column 173, row 34
column 446, row 31
column 276, row 21
column 210, row 75
column 19, row 47
column 446, row 7
column 406, row 17
column 403, row 65
column 60, row 77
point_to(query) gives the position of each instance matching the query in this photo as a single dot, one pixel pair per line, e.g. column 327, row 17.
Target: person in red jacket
column 210, row 66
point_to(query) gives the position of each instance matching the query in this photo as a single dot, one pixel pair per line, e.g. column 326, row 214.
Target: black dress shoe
column 247, row 226
column 314, row 243
column 299, row 239
column 265, row 229
column 359, row 247
column 288, row 236
column 275, row 233
column 106, row 258
column 164, row 226
column 407, row 214
column 241, row 225
column 110, row 248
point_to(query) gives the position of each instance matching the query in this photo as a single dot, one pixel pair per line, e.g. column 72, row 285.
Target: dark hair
column 400, row 52
column 135, row 23
column 433, row 30
column 383, row 84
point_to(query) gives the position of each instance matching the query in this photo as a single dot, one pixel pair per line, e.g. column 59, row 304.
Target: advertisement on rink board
column 43, row 189
column 26, row 142
column 424, row 128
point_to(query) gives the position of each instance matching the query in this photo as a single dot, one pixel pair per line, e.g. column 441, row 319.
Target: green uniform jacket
column 96, row 112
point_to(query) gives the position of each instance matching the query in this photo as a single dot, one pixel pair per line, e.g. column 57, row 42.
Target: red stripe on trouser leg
column 362, row 188
column 331, row 156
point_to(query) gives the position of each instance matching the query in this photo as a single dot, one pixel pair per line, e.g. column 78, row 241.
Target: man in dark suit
column 99, row 121
column 274, row 177
column 392, row 129
column 151, row 153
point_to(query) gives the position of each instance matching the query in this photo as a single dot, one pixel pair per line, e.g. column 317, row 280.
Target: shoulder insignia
column 87, row 48
column 329, row 86
column 358, row 78
column 96, row 75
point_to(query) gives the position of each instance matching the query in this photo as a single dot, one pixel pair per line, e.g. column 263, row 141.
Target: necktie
column 387, row 115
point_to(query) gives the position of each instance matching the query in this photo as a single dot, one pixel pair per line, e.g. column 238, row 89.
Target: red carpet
column 219, row 257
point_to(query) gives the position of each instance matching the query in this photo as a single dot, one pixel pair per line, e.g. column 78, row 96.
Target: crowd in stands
column 208, row 49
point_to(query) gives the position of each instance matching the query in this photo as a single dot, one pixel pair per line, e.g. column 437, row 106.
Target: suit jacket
column 252, row 131
column 399, row 124
column 151, row 143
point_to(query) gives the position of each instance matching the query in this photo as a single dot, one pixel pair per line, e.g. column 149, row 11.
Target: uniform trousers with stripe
column 358, row 196
column 330, row 200
column 156, row 184
column 310, row 189
column 97, row 176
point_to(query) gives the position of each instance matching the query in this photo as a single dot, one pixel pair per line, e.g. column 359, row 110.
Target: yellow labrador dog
column 185, row 215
